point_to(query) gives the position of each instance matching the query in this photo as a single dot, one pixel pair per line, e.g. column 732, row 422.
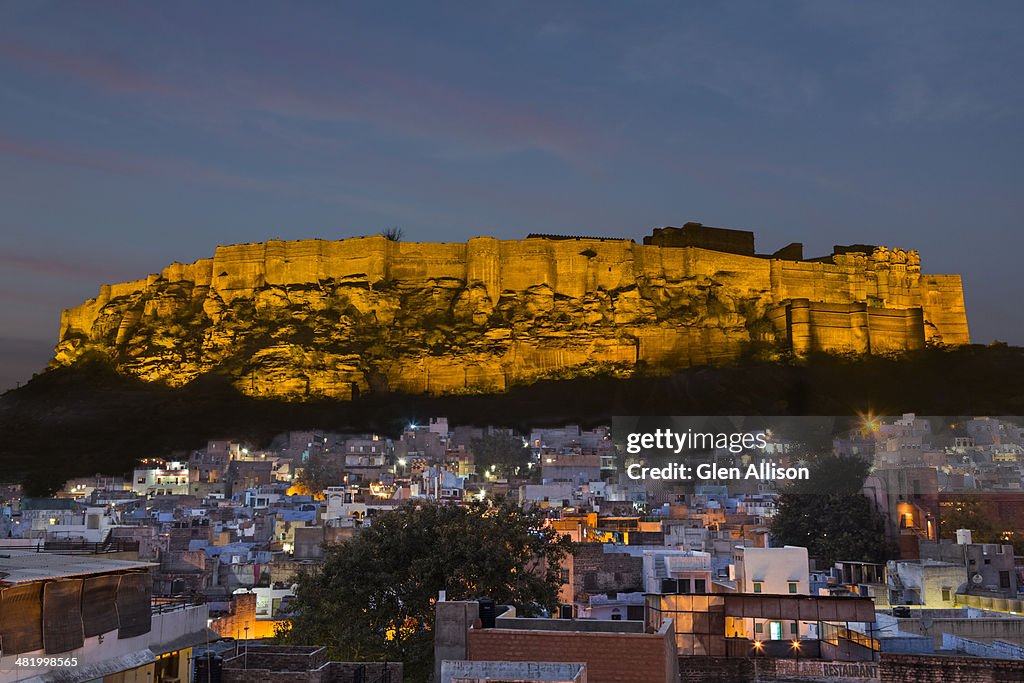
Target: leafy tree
column 373, row 597
column 505, row 453
column 829, row 515
column 319, row 472
column 966, row 512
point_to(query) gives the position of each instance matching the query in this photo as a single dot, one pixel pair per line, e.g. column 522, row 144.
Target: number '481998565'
column 52, row 662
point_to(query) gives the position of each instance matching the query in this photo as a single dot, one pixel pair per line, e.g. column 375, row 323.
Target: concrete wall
column 933, row 581
column 451, row 631
column 985, row 629
column 774, row 568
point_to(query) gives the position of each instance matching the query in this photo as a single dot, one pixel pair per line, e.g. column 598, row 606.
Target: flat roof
column 23, row 566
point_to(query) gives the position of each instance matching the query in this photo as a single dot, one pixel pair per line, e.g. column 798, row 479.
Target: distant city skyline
column 134, row 135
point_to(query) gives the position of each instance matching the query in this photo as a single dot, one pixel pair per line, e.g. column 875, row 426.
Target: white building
column 773, row 571
column 676, row 571
column 161, row 478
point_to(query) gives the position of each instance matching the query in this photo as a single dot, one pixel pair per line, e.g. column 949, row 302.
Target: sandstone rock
column 337, row 319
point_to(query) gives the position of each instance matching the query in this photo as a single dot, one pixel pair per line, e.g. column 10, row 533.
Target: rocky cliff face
column 318, row 318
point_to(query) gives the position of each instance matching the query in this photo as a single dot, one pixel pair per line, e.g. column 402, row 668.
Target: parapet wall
column 572, row 267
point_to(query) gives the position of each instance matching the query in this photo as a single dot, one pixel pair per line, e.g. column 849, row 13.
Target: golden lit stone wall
column 319, row 317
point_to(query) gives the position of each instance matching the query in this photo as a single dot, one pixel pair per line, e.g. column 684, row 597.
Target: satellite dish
column 976, row 579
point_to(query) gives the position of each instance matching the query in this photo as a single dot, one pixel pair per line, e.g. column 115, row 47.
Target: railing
column 76, row 547
column 832, row 633
column 161, row 604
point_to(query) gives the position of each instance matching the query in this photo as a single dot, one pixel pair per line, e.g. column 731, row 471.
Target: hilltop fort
column 337, row 318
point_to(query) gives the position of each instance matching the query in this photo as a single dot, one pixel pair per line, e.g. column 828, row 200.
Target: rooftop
column 21, row 566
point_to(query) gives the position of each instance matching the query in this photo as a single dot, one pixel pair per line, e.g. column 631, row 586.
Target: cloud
column 410, row 105
column 165, row 167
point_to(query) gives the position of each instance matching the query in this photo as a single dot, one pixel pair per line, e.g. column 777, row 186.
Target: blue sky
column 136, row 134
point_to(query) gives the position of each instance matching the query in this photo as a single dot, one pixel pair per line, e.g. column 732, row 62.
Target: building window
column 757, row 586
column 793, row 628
column 701, row 586
column 758, row 628
column 945, row 594
column 792, row 586
column 1004, row 579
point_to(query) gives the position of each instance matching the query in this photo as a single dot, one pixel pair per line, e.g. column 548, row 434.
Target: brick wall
column 610, row 657
column 715, row 670
column 241, row 613
column 925, row 669
column 595, row 571
column 331, row 672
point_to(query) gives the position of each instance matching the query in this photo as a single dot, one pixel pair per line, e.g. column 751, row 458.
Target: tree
column 373, row 597
column 502, row 454
column 966, row 512
column 829, row 515
column 394, row 234
column 319, row 472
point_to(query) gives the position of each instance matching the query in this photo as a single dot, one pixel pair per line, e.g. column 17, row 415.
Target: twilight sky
column 136, row 134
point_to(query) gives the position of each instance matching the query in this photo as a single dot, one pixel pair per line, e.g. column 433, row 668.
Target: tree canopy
column 969, row 512
column 373, row 597
column 829, row 515
column 318, row 472
column 501, row 454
